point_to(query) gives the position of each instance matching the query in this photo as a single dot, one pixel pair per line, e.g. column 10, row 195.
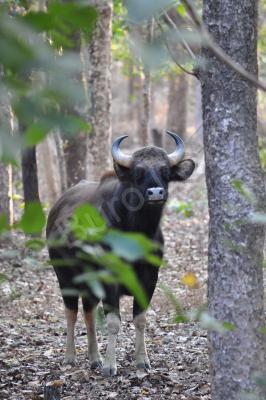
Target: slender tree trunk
column 61, row 161
column 144, row 133
column 30, row 175
column 177, row 104
column 74, row 146
column 5, row 170
column 48, row 170
column 75, row 157
column 235, row 289
column 99, row 140
column 4, row 198
column 177, row 107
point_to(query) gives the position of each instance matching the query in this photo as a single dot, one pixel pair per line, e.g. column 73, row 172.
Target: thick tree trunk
column 235, row 290
column 99, row 140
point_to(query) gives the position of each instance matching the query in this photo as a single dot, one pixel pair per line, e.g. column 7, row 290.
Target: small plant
column 184, row 207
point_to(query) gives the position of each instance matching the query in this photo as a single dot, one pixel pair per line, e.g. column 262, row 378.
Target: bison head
column 148, row 171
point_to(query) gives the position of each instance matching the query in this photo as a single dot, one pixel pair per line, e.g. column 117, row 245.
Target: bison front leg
column 93, row 352
column 142, row 359
column 113, row 327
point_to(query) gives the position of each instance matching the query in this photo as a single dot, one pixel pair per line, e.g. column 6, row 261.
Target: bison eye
column 164, row 172
column 139, row 173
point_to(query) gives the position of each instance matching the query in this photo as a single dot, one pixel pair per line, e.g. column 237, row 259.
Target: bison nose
column 155, row 194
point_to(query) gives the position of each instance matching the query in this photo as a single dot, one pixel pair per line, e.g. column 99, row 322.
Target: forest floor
column 32, row 331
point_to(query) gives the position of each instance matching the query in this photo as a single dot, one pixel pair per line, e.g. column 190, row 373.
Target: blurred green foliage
column 183, row 207
column 37, row 69
column 200, row 314
column 111, row 249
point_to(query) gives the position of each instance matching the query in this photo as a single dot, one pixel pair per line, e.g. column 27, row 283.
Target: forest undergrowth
column 32, row 332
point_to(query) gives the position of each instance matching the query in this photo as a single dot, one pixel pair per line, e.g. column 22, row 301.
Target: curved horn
column 122, row 159
column 179, row 152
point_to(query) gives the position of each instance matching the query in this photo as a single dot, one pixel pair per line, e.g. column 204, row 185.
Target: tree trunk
column 4, row 183
column 30, row 175
column 61, row 160
column 177, row 107
column 144, row 133
column 99, row 140
column 74, row 146
column 177, row 104
column 6, row 203
column 235, row 288
column 49, row 167
column 75, row 157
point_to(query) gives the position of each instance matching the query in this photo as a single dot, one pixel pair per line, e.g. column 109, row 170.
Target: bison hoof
column 69, row 359
column 109, row 370
column 96, row 364
column 145, row 364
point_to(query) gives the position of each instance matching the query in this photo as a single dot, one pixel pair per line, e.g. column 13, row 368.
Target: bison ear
column 122, row 173
column 182, row 170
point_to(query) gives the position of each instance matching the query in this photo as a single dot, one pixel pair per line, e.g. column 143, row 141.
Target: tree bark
column 99, row 140
column 235, row 288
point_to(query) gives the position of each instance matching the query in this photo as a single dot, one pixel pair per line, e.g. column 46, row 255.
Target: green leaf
column 3, row 278
column 91, row 279
column 263, row 330
column 36, row 244
column 125, row 275
column 36, row 133
column 132, row 246
column 33, row 219
column 181, row 319
column 184, row 207
column 63, row 21
column 212, row 324
column 71, row 124
column 228, row 326
column 244, row 190
column 180, row 313
column 181, row 10
column 87, row 224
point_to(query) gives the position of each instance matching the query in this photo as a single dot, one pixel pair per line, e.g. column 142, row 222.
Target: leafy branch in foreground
column 107, row 254
column 200, row 314
column 34, row 72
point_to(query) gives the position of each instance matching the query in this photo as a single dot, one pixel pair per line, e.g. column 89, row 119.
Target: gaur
column 131, row 199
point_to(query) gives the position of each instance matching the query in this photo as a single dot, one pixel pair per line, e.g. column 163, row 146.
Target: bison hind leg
column 71, row 312
column 89, row 318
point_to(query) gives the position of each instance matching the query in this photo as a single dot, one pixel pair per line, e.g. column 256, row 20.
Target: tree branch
column 184, row 42
column 218, row 52
column 171, row 53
